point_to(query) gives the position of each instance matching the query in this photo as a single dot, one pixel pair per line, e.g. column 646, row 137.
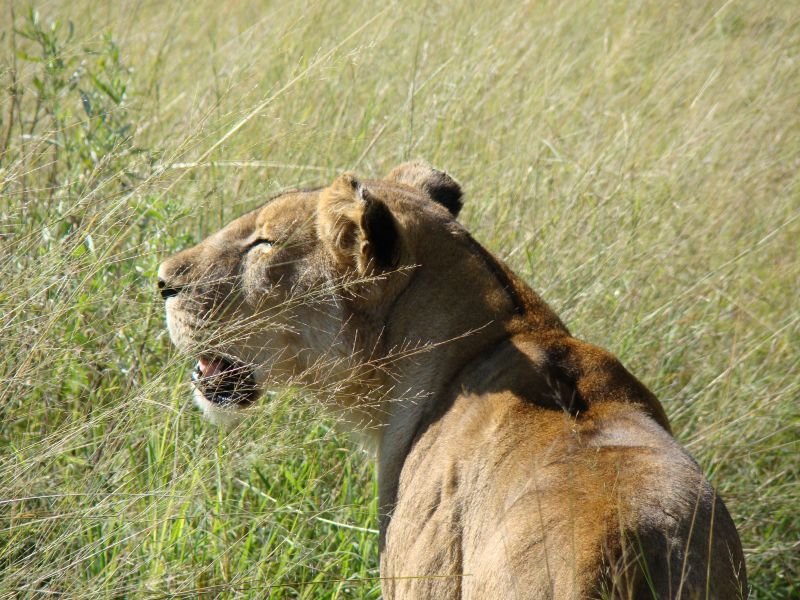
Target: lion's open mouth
column 224, row 382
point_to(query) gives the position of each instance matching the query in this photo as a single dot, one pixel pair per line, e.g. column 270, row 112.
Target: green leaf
column 25, row 56
column 106, row 89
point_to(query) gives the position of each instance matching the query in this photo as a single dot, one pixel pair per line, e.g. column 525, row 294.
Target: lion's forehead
column 284, row 214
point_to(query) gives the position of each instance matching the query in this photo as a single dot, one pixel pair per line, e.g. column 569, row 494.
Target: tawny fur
column 514, row 461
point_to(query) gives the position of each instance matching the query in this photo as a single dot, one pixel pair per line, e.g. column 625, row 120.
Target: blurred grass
column 637, row 163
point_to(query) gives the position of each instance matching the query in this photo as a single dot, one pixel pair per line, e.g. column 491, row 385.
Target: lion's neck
column 458, row 307
column 426, row 357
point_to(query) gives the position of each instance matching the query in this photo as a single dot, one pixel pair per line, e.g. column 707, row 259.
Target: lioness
column 514, row 461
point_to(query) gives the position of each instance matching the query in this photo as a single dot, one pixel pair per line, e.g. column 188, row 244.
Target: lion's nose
column 175, row 273
column 169, row 277
column 165, row 290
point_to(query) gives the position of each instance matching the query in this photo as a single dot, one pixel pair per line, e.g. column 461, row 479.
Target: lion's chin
column 226, row 416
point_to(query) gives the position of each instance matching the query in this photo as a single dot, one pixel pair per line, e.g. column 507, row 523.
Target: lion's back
column 551, row 505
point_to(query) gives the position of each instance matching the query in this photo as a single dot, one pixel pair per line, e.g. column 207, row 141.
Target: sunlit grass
column 637, row 164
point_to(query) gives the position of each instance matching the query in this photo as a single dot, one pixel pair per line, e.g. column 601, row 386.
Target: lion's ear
column 356, row 227
column 437, row 184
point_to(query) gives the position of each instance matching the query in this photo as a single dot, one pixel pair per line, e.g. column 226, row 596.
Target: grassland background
column 638, row 163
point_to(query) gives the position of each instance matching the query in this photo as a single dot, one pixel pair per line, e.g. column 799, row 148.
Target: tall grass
column 637, row 163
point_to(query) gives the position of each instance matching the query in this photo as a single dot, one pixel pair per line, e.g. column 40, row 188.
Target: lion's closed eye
column 263, row 244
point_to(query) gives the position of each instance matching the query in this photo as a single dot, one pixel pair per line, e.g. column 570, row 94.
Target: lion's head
column 312, row 288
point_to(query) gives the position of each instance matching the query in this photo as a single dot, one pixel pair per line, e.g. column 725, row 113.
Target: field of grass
column 638, row 163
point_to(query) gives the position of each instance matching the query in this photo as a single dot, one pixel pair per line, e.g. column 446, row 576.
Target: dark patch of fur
column 499, row 273
column 444, row 190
